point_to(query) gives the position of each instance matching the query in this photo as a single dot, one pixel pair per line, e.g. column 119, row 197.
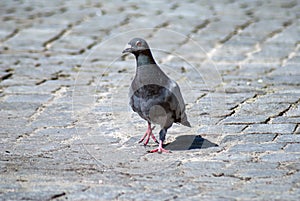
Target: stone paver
column 67, row 132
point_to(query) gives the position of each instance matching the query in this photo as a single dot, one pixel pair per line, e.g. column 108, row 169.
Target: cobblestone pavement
column 67, row 132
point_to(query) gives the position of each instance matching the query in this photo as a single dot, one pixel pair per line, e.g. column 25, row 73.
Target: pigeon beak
column 127, row 49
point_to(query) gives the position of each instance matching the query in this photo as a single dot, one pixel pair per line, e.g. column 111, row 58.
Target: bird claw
column 159, row 150
column 147, row 136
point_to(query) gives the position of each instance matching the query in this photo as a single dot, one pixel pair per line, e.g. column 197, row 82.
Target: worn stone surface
column 67, row 132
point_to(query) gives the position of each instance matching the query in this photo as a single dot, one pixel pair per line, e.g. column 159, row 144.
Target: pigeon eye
column 138, row 43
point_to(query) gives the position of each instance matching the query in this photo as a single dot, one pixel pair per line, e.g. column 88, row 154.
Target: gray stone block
column 288, row 138
column 250, row 147
column 270, row 128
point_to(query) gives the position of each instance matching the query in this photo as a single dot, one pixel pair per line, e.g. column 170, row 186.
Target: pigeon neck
column 144, row 58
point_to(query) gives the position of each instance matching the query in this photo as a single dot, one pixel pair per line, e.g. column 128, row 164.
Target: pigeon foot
column 160, row 149
column 147, row 135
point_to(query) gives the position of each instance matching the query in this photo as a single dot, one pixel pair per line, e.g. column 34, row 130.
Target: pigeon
column 153, row 95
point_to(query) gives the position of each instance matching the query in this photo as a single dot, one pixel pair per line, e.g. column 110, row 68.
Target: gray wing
column 177, row 103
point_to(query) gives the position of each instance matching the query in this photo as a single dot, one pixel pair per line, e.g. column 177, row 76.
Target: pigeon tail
column 184, row 121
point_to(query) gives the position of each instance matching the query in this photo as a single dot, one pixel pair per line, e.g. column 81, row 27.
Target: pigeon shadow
column 188, row 142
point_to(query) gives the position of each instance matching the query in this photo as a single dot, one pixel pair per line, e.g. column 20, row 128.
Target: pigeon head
column 137, row 46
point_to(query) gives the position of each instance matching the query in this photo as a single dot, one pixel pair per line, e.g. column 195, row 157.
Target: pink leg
column 148, row 134
column 142, row 139
column 160, row 149
column 152, row 135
